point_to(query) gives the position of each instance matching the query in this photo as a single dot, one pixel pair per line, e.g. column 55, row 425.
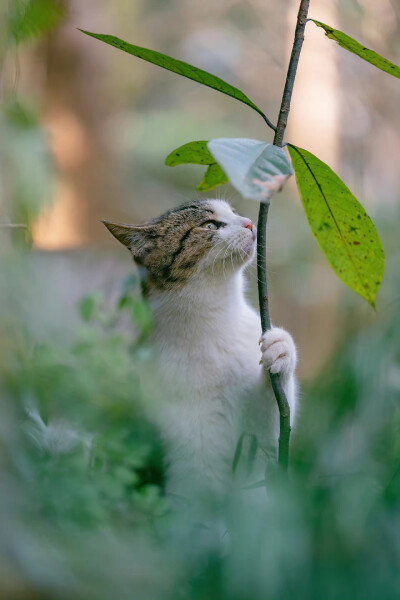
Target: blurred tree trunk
column 314, row 124
column 75, row 114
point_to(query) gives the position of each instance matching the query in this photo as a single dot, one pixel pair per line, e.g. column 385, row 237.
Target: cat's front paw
column 278, row 351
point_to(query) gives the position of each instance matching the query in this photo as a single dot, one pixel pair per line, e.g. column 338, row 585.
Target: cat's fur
column 213, row 363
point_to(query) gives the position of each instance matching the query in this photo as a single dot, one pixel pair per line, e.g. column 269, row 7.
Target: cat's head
column 205, row 238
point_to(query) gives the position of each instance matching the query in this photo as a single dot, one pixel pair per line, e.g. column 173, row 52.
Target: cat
column 213, row 359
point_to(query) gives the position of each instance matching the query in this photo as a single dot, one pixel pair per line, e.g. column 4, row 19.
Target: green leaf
column 142, row 317
column 177, row 66
column 238, row 452
column 197, row 153
column 140, row 313
column 251, row 452
column 213, row 177
column 256, row 169
column 89, row 305
column 33, row 18
column 350, row 44
column 343, row 229
column 245, row 453
column 125, row 301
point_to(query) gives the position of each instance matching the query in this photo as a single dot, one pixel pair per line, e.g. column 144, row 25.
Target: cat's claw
column 278, row 351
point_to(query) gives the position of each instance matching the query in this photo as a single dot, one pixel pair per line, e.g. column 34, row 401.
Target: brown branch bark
column 283, row 405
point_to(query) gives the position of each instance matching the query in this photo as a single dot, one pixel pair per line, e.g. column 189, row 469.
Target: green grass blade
column 245, row 453
column 350, row 44
column 340, row 224
column 238, row 453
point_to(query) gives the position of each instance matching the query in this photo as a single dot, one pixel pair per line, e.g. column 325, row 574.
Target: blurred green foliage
column 83, row 513
column 81, row 474
column 28, row 170
column 29, row 19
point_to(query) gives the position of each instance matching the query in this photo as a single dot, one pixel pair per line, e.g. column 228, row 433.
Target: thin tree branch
column 283, row 405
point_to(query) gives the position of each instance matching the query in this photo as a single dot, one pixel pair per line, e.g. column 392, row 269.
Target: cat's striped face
column 204, row 237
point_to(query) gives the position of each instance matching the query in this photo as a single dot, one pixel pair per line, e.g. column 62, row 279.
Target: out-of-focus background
column 86, row 129
column 84, row 132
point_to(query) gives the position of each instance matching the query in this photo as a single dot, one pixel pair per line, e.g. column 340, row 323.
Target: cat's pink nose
column 247, row 224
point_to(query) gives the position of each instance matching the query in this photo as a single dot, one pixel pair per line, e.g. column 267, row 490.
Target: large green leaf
column 350, row 44
column 177, row 66
column 256, row 169
column 343, row 229
column 33, row 18
column 197, row 153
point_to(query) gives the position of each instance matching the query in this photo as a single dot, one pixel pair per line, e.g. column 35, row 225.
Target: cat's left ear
column 134, row 237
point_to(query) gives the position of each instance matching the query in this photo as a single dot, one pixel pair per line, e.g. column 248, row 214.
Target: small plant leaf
column 343, row 229
column 213, row 177
column 350, row 44
column 197, row 153
column 245, row 453
column 139, row 311
column 256, row 169
column 177, row 66
column 238, row 453
column 90, row 305
column 251, row 452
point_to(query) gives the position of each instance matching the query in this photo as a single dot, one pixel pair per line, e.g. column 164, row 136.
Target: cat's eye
column 210, row 225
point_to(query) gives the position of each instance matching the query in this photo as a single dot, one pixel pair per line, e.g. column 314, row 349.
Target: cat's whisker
column 223, row 247
column 254, row 274
column 255, row 277
column 223, row 263
column 218, row 253
column 233, row 248
column 231, row 245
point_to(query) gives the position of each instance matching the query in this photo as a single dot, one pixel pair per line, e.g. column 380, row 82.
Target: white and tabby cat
column 192, row 261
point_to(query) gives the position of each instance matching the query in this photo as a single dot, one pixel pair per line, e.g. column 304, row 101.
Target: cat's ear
column 134, row 237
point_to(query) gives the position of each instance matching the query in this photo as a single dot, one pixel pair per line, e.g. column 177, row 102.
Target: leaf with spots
column 197, row 153
column 180, row 67
column 343, row 229
column 350, row 44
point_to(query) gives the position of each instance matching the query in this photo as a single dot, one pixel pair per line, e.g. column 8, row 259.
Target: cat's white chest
column 211, row 358
column 208, row 368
